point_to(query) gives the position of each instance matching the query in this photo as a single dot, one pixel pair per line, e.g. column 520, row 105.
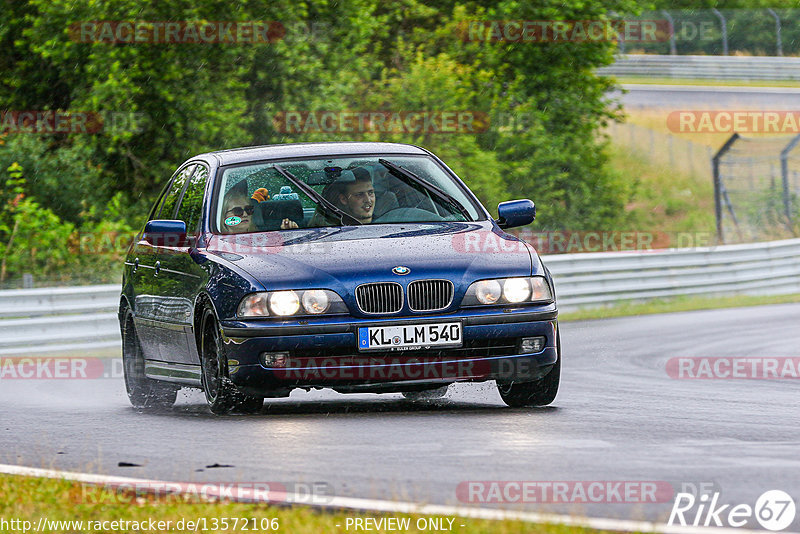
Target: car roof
column 291, row 150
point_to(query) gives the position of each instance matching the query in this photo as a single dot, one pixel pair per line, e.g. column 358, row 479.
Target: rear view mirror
column 515, row 213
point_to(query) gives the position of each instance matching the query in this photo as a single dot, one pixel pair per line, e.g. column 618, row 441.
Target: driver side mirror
column 165, row 233
column 515, row 213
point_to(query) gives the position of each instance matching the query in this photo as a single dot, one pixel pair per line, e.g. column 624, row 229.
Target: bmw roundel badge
column 401, row 270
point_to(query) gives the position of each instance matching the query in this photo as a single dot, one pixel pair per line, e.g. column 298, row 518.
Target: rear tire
column 143, row 392
column 540, row 392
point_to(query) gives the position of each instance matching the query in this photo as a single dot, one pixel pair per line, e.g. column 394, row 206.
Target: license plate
column 409, row 337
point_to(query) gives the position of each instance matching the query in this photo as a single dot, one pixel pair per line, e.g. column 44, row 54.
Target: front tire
column 540, row 392
column 143, row 392
column 221, row 394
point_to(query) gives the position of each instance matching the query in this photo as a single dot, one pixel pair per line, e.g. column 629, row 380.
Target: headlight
column 508, row 291
column 487, row 291
column 287, row 303
column 516, row 290
column 316, row 301
column 284, row 303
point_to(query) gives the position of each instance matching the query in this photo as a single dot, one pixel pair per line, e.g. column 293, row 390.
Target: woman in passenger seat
column 237, row 210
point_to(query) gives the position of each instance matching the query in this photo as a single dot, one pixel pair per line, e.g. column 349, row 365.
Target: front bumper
column 323, row 352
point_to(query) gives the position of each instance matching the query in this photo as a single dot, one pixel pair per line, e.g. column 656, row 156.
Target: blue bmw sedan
column 361, row 267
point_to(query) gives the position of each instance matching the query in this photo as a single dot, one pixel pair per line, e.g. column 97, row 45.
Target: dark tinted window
column 174, row 194
column 157, row 206
column 192, row 203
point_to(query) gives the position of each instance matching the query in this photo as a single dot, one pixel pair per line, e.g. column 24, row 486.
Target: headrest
column 239, row 189
column 347, row 177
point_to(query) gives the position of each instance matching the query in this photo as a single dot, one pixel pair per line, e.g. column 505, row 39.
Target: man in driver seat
column 358, row 194
column 353, row 193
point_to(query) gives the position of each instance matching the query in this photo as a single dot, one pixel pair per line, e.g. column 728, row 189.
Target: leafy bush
column 35, row 240
column 32, row 238
column 61, row 176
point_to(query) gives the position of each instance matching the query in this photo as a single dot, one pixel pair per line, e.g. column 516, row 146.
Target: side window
column 172, row 197
column 157, row 206
column 192, row 203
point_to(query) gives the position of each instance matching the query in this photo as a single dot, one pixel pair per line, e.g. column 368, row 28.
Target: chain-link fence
column 756, row 188
column 756, row 179
column 662, row 148
column 756, row 32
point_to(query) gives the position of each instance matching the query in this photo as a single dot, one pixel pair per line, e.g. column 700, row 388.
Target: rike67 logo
column 774, row 510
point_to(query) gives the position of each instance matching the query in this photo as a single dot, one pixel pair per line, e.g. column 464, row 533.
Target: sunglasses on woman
column 238, row 211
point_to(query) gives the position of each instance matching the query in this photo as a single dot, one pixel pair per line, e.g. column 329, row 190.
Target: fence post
column 673, row 51
column 718, row 184
column 724, row 25
column 620, row 37
column 787, row 204
column 778, row 43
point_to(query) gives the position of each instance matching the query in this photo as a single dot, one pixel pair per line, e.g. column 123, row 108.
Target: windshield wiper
column 321, row 201
column 415, row 181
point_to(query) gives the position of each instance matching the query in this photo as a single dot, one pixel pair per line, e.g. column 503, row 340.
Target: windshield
column 348, row 191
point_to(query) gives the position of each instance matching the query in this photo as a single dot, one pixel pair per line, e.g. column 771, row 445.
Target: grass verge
column 679, row 304
column 664, row 199
column 29, row 499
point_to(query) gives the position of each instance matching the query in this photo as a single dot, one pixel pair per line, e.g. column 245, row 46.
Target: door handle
column 157, row 267
column 135, row 265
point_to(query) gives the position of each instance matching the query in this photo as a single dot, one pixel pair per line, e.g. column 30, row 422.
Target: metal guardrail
column 59, row 319
column 84, row 318
column 605, row 278
column 705, row 67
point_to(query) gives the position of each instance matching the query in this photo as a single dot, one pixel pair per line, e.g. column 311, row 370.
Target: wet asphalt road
column 619, row 416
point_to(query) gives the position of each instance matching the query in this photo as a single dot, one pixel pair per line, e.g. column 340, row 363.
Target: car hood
column 342, row 258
